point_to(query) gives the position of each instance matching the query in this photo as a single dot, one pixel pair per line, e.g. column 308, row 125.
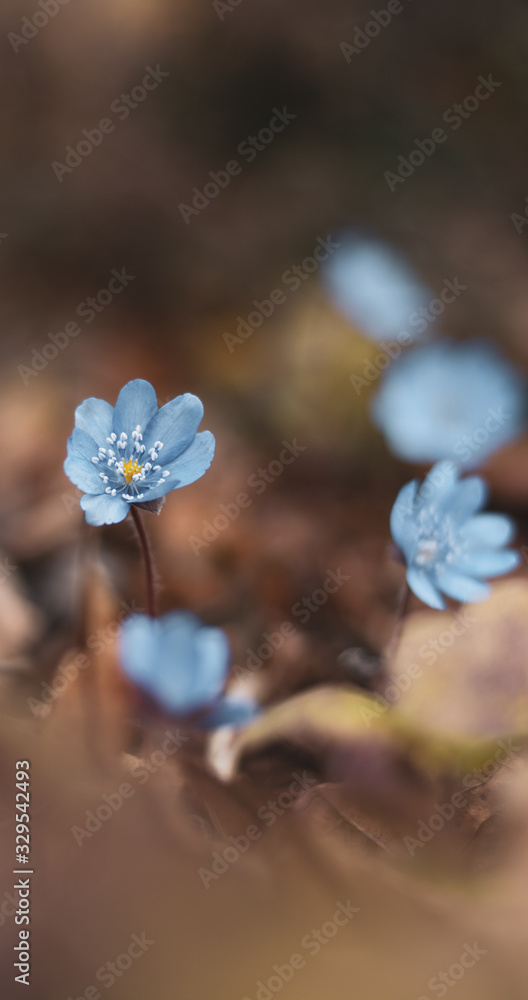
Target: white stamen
column 156, row 468
column 147, row 467
column 103, row 477
column 165, row 474
column 153, row 454
column 112, row 438
column 158, row 445
column 95, row 460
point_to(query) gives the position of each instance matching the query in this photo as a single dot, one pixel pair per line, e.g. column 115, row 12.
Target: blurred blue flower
column 448, row 546
column 135, row 453
column 373, row 286
column 183, row 665
column 447, row 400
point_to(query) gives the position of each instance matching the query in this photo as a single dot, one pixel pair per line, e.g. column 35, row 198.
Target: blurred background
column 102, row 176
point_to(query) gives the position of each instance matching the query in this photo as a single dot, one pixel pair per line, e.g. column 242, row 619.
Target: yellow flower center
column 130, row 469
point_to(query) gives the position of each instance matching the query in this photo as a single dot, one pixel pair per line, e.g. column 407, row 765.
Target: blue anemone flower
column 372, row 284
column 183, row 665
column 135, row 453
column 444, row 400
column 448, row 546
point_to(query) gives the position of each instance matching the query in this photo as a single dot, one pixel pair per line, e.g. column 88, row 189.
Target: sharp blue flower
column 135, row 453
column 446, row 400
column 373, row 285
column 449, row 547
column 183, row 665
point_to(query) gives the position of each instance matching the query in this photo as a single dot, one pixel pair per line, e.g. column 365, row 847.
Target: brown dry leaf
column 456, row 706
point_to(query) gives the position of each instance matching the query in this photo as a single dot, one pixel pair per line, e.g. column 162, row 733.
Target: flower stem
column 398, row 624
column 147, row 559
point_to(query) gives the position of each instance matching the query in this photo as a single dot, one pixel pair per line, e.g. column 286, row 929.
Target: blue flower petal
column 422, row 585
column 82, row 445
column 193, row 664
column 136, row 404
column 104, row 509
column 403, row 528
column 487, row 562
column 188, row 467
column 489, row 529
column 212, row 648
column 175, row 424
column 440, row 482
column 460, row 587
column 470, row 496
column 232, row 710
column 95, row 417
column 83, row 474
column 140, row 648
